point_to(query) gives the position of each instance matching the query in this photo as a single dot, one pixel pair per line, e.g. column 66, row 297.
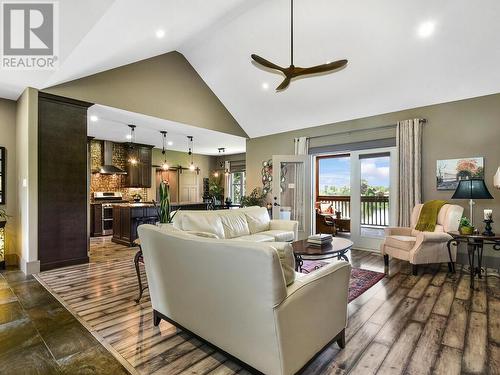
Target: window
column 333, row 176
column 237, row 186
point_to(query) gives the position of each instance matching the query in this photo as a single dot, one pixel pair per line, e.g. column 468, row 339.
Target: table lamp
column 496, row 179
column 471, row 189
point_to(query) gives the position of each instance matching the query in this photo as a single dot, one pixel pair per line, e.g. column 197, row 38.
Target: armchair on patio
column 424, row 247
column 325, row 224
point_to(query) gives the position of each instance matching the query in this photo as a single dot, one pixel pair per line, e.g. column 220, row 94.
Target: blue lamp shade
column 472, row 189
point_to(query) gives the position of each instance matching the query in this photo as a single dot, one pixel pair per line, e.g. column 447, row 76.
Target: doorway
column 355, row 191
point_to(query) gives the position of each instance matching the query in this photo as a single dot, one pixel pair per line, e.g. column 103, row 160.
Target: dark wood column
column 62, row 181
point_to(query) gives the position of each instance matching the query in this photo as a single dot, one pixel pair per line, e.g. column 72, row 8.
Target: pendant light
column 133, row 159
column 223, row 163
column 164, row 166
column 190, row 153
column 219, row 163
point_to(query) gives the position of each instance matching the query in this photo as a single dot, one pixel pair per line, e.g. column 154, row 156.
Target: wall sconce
column 496, row 179
column 2, row 244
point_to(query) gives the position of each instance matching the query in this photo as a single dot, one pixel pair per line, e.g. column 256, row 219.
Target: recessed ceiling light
column 94, row 118
column 426, row 29
column 170, row 143
column 265, row 86
column 160, row 33
column 128, row 136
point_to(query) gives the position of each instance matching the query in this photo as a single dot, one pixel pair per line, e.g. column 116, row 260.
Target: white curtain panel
column 409, row 144
column 301, row 145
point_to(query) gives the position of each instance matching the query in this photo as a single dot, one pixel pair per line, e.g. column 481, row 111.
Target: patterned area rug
column 360, row 282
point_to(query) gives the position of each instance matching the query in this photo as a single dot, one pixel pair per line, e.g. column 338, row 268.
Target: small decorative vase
column 467, row 231
column 338, row 214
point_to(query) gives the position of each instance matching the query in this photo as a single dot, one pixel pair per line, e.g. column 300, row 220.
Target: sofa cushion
column 287, row 260
column 279, row 235
column 258, row 219
column 326, row 208
column 255, row 238
column 401, row 242
column 234, row 224
column 209, row 223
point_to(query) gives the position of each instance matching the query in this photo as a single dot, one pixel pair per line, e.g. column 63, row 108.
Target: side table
column 475, row 246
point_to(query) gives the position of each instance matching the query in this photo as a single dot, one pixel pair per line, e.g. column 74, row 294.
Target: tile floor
column 39, row 336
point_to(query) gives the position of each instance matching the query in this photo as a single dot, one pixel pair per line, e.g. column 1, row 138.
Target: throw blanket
column 428, row 216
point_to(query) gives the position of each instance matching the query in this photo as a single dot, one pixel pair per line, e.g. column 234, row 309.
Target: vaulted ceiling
column 390, row 66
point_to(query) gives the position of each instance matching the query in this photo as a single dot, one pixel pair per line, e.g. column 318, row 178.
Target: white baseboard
column 30, row 267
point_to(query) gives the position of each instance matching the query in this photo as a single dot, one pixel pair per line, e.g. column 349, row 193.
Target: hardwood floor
column 430, row 323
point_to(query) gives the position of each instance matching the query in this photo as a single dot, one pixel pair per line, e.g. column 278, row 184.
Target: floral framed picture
column 450, row 172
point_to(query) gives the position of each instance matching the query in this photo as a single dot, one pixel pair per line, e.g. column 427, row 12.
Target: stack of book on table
column 320, row 240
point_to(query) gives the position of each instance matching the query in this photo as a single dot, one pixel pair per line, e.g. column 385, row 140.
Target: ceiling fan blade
column 268, row 64
column 323, row 68
column 284, row 84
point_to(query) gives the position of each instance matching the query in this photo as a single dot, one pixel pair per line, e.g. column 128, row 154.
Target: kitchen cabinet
column 127, row 217
column 95, row 220
column 139, row 173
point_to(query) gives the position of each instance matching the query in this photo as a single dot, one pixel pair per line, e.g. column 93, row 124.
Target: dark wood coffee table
column 302, row 250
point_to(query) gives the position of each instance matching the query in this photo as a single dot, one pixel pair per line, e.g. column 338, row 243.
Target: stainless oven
column 107, row 219
column 107, row 199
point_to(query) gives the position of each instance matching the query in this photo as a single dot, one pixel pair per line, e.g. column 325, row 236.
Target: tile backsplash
column 99, row 182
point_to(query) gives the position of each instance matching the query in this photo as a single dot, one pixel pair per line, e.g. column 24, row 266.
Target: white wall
column 8, row 140
column 27, row 179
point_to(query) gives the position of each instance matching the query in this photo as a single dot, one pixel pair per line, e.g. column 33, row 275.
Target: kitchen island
column 128, row 216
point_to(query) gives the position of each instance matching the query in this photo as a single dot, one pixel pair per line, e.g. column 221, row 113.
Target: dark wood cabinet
column 96, row 220
column 126, row 219
column 139, row 173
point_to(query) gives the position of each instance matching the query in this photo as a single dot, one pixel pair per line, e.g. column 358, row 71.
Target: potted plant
column 256, row 198
column 466, row 227
column 164, row 209
column 216, row 188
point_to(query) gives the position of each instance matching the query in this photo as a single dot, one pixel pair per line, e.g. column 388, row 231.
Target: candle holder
column 487, row 230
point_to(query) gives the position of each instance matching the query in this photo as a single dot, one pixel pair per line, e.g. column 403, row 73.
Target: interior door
column 373, row 194
column 291, row 190
column 188, row 186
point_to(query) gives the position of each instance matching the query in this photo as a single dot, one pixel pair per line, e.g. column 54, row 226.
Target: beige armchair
column 424, row 247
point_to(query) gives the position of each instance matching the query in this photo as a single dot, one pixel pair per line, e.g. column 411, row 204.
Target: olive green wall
column 165, row 86
column 464, row 128
column 8, row 140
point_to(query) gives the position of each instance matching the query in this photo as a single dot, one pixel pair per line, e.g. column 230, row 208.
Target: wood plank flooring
column 430, row 323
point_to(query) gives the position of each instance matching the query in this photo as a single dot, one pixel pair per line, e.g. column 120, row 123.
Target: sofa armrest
column 433, row 237
column 398, row 231
column 302, row 332
column 288, row 225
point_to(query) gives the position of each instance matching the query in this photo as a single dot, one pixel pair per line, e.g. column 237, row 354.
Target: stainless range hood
column 108, row 167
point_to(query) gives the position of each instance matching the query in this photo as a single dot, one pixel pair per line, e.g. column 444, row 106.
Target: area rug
column 361, row 280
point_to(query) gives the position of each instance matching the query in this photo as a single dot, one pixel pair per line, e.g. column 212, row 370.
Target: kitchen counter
column 128, row 216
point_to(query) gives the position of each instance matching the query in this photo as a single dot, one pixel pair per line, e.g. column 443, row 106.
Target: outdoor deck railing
column 374, row 210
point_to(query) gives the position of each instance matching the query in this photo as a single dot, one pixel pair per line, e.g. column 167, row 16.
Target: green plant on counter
column 256, row 198
column 216, row 187
column 164, row 209
column 466, row 226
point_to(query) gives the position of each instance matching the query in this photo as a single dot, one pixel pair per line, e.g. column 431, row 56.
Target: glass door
column 373, row 190
column 291, row 190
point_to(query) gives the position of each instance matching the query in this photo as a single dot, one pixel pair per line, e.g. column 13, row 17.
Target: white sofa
column 244, row 224
column 233, row 294
column 407, row 243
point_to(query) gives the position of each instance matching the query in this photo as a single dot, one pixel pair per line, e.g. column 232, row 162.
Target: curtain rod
column 360, row 130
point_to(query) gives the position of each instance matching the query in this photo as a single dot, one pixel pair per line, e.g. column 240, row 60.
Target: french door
column 292, row 190
column 373, row 194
